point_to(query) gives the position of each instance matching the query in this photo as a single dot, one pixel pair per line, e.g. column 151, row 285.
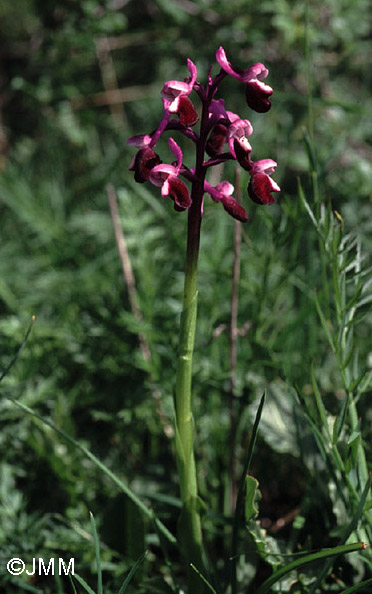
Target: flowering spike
column 218, row 127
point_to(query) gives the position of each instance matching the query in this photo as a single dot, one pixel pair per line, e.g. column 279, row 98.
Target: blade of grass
column 72, row 584
column 349, row 530
column 83, row 583
column 122, row 486
column 58, row 580
column 306, row 560
column 357, row 587
column 340, row 420
column 239, row 500
column 204, row 579
column 320, row 405
column 18, row 351
column 308, row 209
column 98, row 556
column 128, row 579
column 324, row 323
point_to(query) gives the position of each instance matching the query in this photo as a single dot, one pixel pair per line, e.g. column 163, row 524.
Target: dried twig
column 133, row 299
column 113, row 97
column 109, row 79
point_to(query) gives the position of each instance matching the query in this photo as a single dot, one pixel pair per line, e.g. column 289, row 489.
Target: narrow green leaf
column 310, row 149
column 364, row 301
column 240, row 496
column 318, row 436
column 356, row 382
column 128, row 579
column 324, row 323
column 306, row 560
column 204, row 579
column 357, row 587
column 83, row 583
column 18, row 351
column 354, row 443
column 349, row 530
column 368, row 505
column 340, row 420
column 345, row 362
column 97, row 551
column 60, row 587
column 320, row 404
column 308, row 209
column 251, row 486
column 72, row 584
column 366, row 383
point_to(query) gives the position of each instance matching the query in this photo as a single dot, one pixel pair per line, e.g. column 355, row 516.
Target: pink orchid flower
column 174, row 89
column 166, row 177
column 222, row 192
column 232, row 130
column 261, row 185
column 257, row 92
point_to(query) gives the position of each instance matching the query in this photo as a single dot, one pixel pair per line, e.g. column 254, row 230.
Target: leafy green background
column 82, row 368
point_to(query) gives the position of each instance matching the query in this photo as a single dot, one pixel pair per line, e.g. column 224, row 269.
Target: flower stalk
column 190, row 533
column 218, row 128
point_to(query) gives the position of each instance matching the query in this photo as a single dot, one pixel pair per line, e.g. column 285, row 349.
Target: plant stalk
column 189, row 524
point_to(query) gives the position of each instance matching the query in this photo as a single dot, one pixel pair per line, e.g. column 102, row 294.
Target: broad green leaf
column 251, row 509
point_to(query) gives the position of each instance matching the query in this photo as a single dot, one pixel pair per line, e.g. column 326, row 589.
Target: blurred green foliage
column 62, row 140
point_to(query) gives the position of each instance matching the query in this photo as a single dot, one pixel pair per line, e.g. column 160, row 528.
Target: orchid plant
column 223, row 136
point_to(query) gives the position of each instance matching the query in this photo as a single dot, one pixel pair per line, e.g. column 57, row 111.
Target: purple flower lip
column 216, row 140
column 261, row 185
column 222, row 192
column 143, row 162
column 186, row 111
column 257, row 95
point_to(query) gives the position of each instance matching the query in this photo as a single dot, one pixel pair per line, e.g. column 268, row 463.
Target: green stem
column 189, row 525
